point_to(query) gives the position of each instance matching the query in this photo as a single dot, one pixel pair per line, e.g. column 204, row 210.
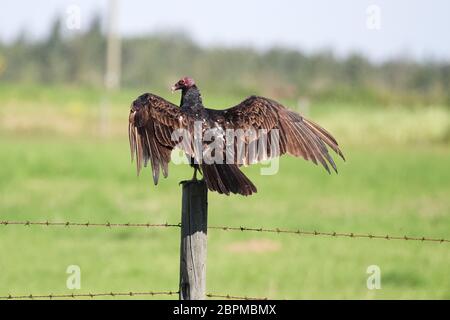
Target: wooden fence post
column 194, row 224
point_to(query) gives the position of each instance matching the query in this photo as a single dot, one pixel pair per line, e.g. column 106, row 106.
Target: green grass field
column 55, row 166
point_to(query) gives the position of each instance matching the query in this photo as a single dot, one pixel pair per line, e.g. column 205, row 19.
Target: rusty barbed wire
column 230, row 297
column 88, row 295
column 118, row 294
column 332, row 234
column 228, row 228
column 89, row 224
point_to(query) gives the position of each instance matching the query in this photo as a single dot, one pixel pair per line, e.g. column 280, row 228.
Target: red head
column 184, row 83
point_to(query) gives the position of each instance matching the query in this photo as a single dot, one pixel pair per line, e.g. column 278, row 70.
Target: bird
column 153, row 121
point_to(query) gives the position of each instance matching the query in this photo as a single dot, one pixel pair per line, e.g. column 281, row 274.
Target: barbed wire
column 168, row 225
column 230, row 297
column 89, row 224
column 88, row 295
column 332, row 234
column 118, row 294
column 228, row 228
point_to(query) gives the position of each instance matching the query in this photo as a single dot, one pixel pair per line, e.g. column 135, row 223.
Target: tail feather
column 226, row 179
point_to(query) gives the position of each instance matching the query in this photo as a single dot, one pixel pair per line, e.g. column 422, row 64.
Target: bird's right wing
column 152, row 122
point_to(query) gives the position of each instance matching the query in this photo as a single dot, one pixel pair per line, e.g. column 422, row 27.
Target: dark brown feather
column 152, row 121
column 298, row 136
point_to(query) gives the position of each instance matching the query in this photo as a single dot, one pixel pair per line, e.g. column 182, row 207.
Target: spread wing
column 152, row 121
column 295, row 135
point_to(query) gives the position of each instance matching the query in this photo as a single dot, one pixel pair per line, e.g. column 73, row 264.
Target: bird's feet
column 191, row 181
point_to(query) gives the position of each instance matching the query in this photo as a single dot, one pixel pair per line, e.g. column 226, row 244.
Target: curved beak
column 175, row 87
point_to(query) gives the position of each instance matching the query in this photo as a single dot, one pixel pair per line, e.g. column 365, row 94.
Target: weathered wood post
column 194, row 224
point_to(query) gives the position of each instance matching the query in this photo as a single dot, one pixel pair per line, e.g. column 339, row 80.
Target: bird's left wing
column 296, row 135
column 152, row 121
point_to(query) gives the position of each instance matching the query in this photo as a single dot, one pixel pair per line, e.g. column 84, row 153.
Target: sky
column 382, row 29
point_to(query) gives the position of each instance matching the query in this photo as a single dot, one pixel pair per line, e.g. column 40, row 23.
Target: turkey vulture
column 153, row 121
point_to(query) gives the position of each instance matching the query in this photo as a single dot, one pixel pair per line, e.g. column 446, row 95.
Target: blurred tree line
column 155, row 61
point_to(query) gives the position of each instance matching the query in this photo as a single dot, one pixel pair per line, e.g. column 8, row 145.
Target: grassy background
column 56, row 166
